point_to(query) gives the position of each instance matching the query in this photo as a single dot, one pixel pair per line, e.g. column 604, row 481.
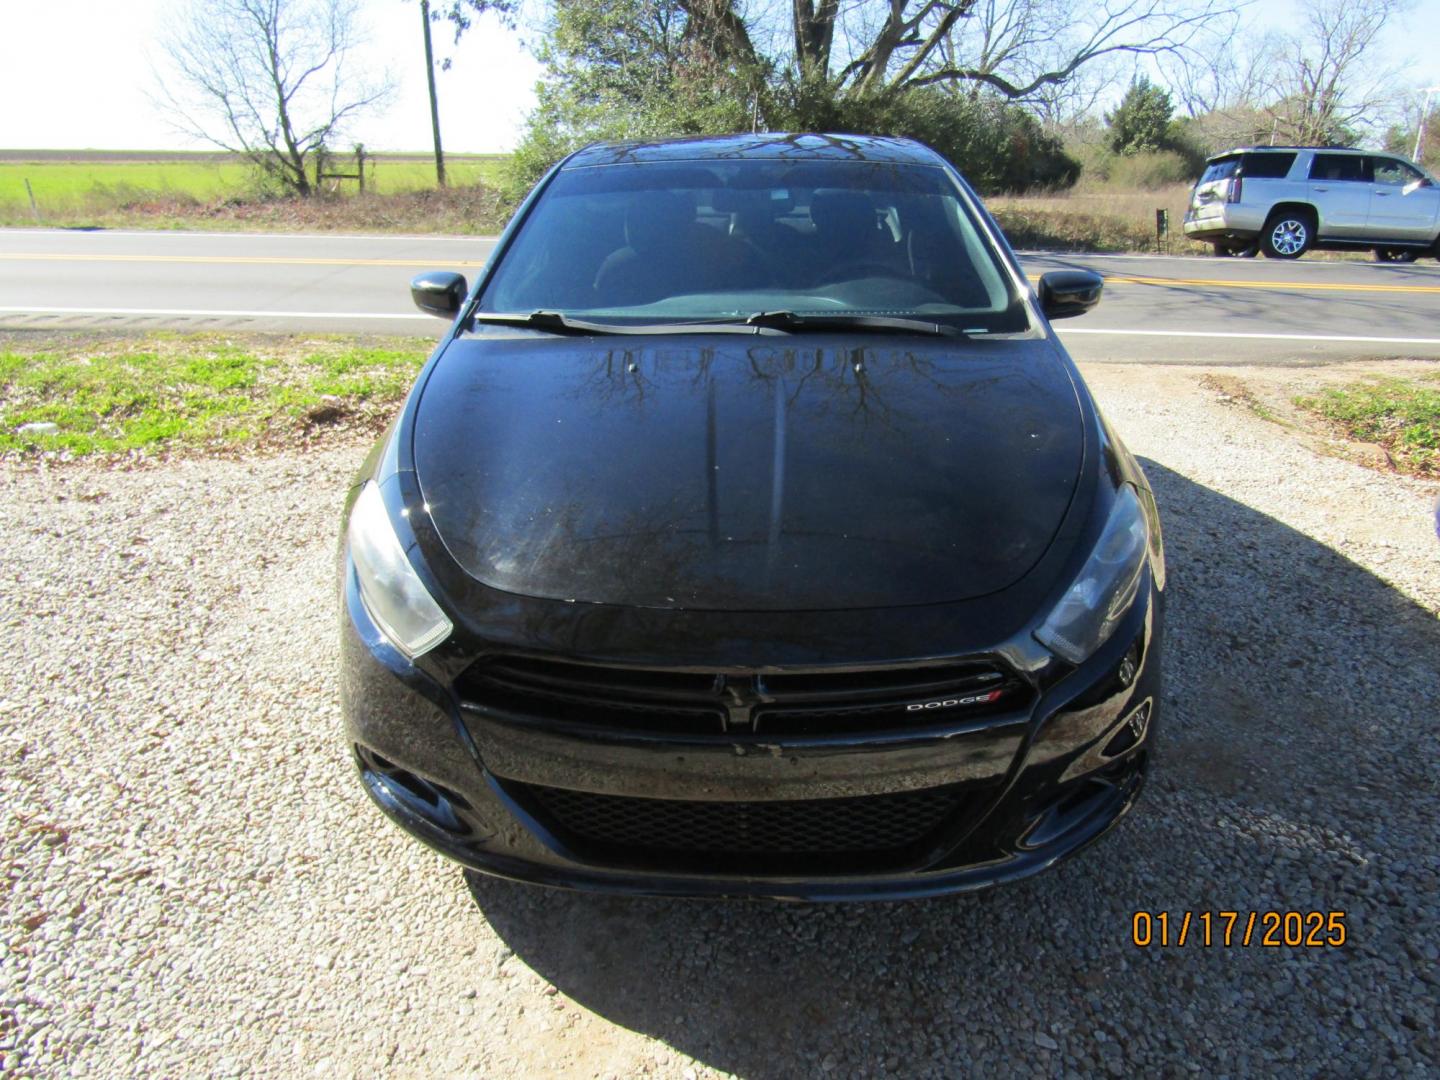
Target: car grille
column 798, row 703
column 811, row 835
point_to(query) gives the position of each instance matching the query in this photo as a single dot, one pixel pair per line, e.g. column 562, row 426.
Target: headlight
column 1098, row 599
column 389, row 587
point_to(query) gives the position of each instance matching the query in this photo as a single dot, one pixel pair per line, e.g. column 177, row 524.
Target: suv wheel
column 1287, row 235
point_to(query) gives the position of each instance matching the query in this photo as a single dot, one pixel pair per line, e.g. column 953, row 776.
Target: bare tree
column 1222, row 85
column 1022, row 49
column 1325, row 86
column 1222, row 71
column 1067, row 105
column 267, row 79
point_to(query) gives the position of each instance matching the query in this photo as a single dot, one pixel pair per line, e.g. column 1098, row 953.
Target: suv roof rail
column 1286, row 146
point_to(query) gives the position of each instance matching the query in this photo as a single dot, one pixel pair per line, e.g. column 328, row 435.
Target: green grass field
column 64, row 189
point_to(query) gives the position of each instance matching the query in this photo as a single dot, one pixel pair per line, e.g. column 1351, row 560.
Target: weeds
column 1401, row 415
column 166, row 392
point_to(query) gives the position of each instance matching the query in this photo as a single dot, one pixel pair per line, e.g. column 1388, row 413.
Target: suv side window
column 1267, row 166
column 1352, row 167
column 1400, row 173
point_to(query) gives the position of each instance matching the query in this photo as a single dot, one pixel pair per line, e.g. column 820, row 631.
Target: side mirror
column 1067, row 293
column 439, row 292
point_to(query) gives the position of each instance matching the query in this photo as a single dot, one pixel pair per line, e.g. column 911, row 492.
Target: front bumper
column 1039, row 783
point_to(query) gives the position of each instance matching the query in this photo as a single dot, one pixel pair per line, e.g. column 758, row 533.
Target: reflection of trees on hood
column 754, row 475
column 866, row 382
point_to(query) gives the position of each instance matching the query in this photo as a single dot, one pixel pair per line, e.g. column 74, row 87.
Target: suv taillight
column 1236, row 183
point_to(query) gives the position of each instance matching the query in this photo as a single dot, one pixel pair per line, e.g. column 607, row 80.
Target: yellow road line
column 249, row 260
column 1225, row 283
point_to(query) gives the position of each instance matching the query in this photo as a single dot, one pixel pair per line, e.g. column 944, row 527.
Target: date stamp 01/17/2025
column 1266, row 929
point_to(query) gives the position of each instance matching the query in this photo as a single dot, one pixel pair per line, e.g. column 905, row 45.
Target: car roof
column 1291, row 149
column 772, row 146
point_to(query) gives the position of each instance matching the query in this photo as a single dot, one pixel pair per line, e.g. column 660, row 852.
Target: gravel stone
column 194, row 882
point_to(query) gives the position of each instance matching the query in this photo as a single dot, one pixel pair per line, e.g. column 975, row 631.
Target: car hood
column 748, row 474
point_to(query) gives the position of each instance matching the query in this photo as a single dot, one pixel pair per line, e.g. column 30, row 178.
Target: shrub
column 997, row 145
column 1149, row 171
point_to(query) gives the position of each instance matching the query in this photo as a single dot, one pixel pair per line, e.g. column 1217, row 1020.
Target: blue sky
column 80, row 81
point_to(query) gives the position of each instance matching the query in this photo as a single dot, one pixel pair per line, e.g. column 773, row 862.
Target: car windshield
column 667, row 242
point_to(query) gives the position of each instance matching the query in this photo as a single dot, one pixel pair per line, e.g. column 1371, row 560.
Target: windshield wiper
column 795, row 322
column 552, row 321
column 790, row 322
column 556, row 323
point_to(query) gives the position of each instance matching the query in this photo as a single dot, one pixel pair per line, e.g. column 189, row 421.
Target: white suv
column 1286, row 200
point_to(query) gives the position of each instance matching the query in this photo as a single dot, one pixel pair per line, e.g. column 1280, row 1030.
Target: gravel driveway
column 195, row 882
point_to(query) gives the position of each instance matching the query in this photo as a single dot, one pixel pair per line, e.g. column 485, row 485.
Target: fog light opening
column 398, row 788
column 1131, row 732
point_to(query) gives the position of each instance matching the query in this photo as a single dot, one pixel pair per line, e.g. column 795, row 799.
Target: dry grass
column 1096, row 219
column 1108, row 219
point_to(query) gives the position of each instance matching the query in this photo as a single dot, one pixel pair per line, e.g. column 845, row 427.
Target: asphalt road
column 1156, row 308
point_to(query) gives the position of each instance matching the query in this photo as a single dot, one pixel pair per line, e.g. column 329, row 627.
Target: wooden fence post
column 33, row 208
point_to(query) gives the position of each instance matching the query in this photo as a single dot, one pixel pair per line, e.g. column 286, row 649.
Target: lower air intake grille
column 844, row 835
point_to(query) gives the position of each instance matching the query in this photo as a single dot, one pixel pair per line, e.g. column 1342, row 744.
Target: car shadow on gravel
column 1295, row 771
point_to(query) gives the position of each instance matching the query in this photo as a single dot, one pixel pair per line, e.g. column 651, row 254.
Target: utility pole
column 434, row 103
column 1424, row 112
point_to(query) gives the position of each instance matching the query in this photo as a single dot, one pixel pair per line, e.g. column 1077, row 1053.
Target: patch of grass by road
column 166, row 392
column 1400, row 415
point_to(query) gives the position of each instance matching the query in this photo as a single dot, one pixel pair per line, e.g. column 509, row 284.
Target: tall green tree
column 1141, row 122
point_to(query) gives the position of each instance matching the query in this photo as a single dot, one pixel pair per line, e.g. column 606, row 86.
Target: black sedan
column 751, row 533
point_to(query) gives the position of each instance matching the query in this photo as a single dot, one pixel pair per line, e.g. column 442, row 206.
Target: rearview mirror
column 439, row 292
column 1067, row 293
